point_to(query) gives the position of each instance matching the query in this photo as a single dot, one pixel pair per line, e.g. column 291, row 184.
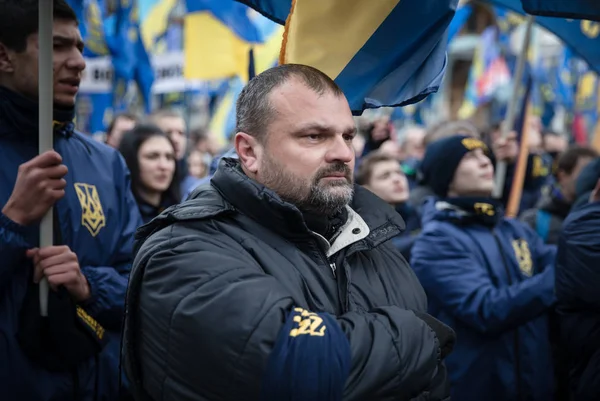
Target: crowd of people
column 317, row 256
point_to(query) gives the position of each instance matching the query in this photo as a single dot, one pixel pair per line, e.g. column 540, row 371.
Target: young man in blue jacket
column 489, row 277
column 95, row 218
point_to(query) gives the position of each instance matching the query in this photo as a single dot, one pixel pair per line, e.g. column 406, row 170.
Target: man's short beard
column 324, row 198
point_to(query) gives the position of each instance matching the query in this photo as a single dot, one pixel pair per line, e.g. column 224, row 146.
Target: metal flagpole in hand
column 46, row 100
column 513, row 106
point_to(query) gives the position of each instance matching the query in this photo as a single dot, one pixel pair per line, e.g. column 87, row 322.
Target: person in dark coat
column 554, row 206
column 488, row 277
column 577, row 283
column 586, row 182
column 383, row 175
column 87, row 185
column 278, row 280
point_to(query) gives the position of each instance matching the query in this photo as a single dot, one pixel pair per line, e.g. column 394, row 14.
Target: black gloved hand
column 445, row 334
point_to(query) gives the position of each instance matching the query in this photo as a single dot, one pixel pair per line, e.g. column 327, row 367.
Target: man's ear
column 249, row 151
column 6, row 59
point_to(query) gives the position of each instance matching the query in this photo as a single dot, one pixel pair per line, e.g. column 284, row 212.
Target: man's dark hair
column 19, row 20
column 124, row 116
column 367, row 165
column 568, row 160
column 254, row 111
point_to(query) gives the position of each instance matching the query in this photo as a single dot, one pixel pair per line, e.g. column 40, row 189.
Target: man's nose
column 76, row 61
column 340, row 150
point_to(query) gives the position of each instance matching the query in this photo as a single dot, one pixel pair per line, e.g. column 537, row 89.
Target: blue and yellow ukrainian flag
column 92, row 25
column 218, row 36
column 222, row 123
column 266, row 54
column 154, row 22
column 381, row 53
column 577, row 9
column 131, row 60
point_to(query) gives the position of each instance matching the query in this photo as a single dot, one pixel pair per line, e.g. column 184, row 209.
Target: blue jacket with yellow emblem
column 98, row 217
column 493, row 284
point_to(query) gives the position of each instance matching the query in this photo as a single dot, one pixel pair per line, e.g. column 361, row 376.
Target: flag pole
column 516, row 191
column 511, row 114
column 45, row 85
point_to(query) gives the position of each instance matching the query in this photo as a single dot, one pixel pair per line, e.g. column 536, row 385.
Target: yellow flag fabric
column 155, row 23
column 267, row 54
column 327, row 34
column 212, row 50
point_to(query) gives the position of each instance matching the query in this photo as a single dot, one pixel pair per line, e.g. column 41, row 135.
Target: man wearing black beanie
column 488, row 277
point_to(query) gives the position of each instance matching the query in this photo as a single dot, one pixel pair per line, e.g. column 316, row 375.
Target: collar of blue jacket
column 19, row 116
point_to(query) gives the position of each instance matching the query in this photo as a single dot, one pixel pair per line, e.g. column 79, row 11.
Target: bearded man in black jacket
column 279, row 277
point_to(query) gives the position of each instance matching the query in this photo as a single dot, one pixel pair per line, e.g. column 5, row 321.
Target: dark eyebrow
column 323, row 128
column 65, row 40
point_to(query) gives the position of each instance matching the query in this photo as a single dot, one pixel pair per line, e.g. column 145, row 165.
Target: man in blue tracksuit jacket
column 490, row 278
column 95, row 213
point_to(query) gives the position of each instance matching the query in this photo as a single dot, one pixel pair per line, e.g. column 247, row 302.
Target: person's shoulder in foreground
column 73, row 352
column 577, row 280
column 280, row 278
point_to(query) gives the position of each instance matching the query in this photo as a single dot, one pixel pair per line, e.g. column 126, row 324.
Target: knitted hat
column 442, row 158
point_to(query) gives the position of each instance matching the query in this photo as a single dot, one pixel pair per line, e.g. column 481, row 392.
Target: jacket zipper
column 323, row 256
column 516, row 336
column 325, row 259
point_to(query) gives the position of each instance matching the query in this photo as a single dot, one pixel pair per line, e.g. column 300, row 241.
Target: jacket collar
column 376, row 220
column 19, row 117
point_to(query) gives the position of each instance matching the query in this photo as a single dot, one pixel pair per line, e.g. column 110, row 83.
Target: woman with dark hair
column 150, row 156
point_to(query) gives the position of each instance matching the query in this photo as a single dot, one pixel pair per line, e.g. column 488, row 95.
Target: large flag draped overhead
column 582, row 36
column 381, row 53
column 578, row 9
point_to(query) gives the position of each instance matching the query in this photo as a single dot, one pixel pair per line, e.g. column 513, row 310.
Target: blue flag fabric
column 231, row 14
column 400, row 60
column 391, row 72
column 93, row 27
column 577, row 9
column 583, row 37
column 94, row 112
column 311, row 360
column 275, row 10
column 130, row 61
column 460, row 18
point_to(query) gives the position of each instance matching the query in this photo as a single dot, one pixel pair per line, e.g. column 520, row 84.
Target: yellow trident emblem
column 92, row 215
column 523, row 255
column 590, row 29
